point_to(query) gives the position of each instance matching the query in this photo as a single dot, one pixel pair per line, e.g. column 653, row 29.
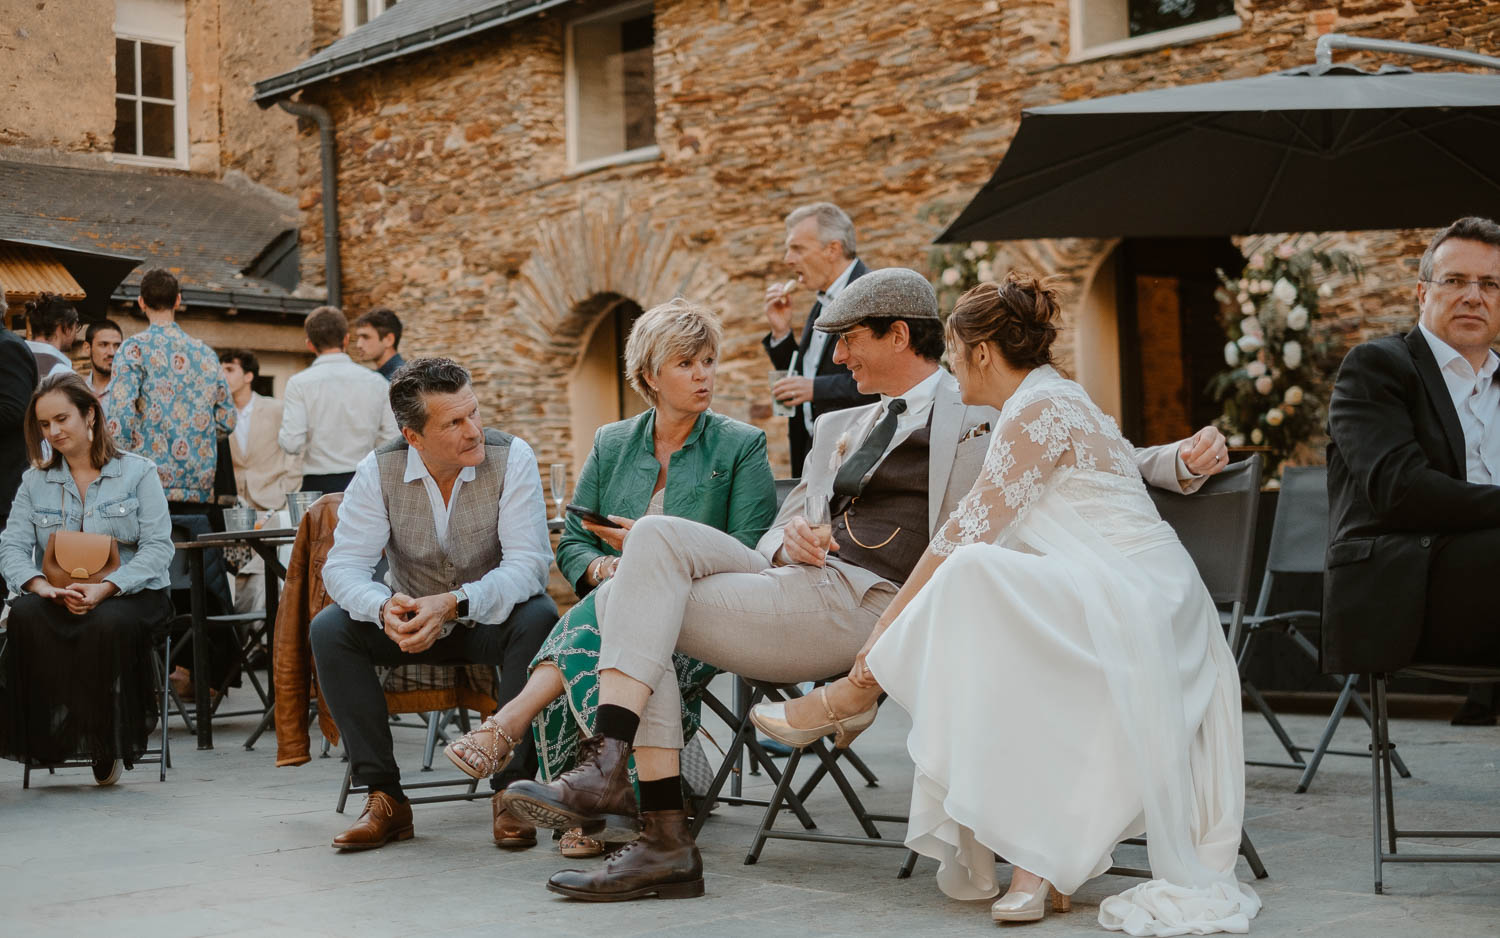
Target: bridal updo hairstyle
column 1019, row 315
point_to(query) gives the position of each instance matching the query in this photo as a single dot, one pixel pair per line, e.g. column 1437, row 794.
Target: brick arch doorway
column 597, row 390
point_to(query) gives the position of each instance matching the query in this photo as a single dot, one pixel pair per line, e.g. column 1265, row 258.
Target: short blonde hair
column 676, row 328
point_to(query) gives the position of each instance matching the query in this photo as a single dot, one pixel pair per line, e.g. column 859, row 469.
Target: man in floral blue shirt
column 168, row 400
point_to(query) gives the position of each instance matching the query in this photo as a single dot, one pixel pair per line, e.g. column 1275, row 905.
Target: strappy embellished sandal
column 575, row 844
column 468, row 746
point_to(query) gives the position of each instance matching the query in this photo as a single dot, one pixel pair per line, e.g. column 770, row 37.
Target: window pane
column 124, row 126
column 156, row 71
column 1152, row 16
column 637, row 37
column 158, row 130
column 361, row 12
column 124, row 66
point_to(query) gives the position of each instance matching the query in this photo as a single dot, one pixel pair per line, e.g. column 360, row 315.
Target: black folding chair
column 1216, row 526
column 433, row 723
column 1382, row 752
column 161, row 756
column 1298, row 543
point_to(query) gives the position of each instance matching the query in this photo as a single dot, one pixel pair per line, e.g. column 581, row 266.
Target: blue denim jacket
column 126, row 501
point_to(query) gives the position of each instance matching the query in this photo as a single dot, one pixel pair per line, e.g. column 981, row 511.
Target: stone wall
column 47, row 49
column 458, row 210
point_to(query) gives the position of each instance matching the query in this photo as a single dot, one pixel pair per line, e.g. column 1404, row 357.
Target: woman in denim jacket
column 75, row 677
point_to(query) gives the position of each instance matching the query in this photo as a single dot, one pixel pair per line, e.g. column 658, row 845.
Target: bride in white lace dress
column 1063, row 664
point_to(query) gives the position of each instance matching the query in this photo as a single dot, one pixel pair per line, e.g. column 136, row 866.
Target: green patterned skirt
column 573, row 647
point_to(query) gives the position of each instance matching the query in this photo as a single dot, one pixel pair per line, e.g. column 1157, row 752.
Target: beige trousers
column 684, row 586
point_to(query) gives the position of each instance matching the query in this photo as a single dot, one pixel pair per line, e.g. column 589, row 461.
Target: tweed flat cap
column 888, row 292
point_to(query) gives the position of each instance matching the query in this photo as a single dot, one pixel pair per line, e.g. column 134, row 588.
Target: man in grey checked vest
column 457, row 510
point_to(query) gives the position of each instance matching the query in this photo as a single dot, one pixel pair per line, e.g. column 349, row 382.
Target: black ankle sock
column 617, row 723
column 391, row 788
column 663, row 794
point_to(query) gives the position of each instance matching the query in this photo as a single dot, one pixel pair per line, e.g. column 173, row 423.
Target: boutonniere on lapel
column 840, row 450
column 975, row 431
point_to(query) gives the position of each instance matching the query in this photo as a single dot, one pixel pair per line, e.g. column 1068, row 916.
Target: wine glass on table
column 821, row 523
column 559, row 486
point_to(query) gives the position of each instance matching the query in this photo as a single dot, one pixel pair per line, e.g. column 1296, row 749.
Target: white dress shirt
column 918, row 409
column 242, row 424
column 1476, row 397
column 813, row 354
column 337, row 412
column 364, row 528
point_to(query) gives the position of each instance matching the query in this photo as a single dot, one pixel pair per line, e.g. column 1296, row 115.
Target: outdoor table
column 264, row 542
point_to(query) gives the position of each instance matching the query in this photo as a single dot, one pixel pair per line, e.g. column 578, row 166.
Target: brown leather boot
column 664, row 862
column 510, row 831
column 595, row 794
column 384, row 819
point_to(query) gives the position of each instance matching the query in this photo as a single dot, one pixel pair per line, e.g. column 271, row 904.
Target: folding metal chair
column 1298, row 543
column 1216, row 526
column 163, row 753
column 1380, row 777
column 434, row 722
column 785, row 797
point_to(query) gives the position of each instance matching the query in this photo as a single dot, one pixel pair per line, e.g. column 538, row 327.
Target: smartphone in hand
column 589, row 515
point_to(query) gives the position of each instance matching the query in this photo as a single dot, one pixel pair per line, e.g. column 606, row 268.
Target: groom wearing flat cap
column 889, row 472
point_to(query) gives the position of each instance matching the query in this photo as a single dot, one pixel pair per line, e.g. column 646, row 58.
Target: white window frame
column 373, row 7
column 179, row 103
column 639, row 154
column 1193, row 32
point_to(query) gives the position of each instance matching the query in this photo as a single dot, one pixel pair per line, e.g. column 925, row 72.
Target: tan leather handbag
column 74, row 557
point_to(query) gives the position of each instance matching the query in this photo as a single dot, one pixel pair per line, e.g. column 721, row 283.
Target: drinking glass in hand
column 822, row 528
column 560, row 486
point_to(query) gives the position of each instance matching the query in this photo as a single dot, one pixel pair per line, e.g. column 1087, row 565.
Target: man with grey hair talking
column 820, row 251
column 457, row 511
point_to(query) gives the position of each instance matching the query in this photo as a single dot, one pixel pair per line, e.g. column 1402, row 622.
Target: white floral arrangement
column 1271, row 389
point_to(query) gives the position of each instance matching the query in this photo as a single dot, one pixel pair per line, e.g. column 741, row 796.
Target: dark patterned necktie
column 850, row 478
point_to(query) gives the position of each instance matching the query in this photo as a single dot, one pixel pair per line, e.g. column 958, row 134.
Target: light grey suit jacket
column 957, row 454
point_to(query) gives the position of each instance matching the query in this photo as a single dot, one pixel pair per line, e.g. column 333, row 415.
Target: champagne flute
column 559, row 486
column 822, row 528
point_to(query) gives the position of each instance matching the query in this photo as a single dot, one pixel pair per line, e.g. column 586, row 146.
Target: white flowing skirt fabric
column 1064, row 700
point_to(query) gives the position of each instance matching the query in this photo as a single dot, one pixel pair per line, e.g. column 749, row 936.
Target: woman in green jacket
column 678, row 458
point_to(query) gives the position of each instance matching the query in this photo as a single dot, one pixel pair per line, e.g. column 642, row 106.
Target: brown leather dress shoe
column 511, row 831
column 594, row 795
column 664, row 862
column 384, row 819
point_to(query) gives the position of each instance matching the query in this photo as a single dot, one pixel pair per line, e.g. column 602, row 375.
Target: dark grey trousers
column 348, row 652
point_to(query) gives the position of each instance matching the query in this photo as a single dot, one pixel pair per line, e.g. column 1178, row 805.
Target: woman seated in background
column 678, row 458
column 76, row 675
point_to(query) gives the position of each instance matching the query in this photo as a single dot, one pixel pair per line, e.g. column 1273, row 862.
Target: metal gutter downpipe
column 333, row 268
column 1330, row 41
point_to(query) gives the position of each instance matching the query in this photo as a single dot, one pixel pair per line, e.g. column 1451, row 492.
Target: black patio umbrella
column 1319, row 148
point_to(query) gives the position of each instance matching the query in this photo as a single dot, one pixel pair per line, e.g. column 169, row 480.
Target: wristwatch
column 462, row 610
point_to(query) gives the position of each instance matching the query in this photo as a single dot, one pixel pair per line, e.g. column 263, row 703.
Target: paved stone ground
column 232, row 845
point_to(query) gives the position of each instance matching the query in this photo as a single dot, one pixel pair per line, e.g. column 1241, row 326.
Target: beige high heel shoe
column 770, row 718
column 1017, row 906
column 468, row 744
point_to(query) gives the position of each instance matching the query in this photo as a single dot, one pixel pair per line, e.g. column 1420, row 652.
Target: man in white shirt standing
column 335, row 411
column 458, row 512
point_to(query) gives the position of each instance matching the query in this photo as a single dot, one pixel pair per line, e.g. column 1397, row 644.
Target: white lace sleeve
column 1029, row 447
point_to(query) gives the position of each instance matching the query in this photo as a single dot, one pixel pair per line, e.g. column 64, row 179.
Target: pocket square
column 975, row 431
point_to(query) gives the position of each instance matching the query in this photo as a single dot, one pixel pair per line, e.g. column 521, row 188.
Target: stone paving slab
column 230, row 845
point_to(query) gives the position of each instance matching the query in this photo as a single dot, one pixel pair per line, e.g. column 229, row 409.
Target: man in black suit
column 17, row 382
column 820, row 250
column 1414, row 475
